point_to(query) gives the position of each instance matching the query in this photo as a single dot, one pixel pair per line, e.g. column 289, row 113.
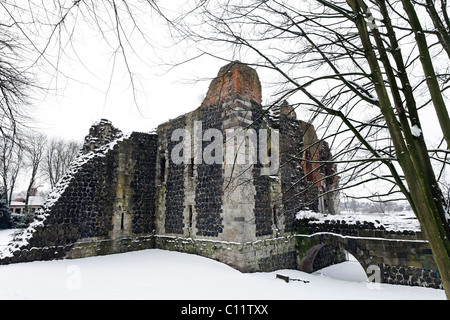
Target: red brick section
column 234, row 78
column 312, row 170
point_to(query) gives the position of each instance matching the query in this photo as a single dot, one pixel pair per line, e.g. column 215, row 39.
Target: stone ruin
column 125, row 192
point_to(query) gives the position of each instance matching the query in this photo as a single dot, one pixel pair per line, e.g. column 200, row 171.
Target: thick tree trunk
column 424, row 193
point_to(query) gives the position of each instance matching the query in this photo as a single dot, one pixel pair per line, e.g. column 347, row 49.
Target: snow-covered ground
column 159, row 274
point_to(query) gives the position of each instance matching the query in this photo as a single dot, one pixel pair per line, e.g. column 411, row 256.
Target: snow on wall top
column 391, row 221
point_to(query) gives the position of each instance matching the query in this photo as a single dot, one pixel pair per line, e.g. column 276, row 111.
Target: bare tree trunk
column 58, row 156
column 427, row 206
column 427, row 64
column 11, row 160
column 34, row 154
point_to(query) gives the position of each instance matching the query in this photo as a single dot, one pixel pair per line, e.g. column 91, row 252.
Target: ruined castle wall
column 265, row 207
column 231, row 211
column 127, row 193
column 256, row 256
column 239, row 189
column 227, row 206
column 173, row 181
column 291, row 171
column 229, row 201
column 209, row 180
column 215, row 200
column 190, row 195
column 98, row 207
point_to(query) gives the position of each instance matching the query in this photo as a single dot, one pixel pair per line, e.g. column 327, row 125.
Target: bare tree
column 5, row 212
column 15, row 79
column 437, row 11
column 11, row 161
column 34, row 154
column 52, row 31
column 363, row 71
column 58, row 155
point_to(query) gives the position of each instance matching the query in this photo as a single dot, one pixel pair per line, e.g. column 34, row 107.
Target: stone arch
column 329, row 250
column 352, row 247
column 385, row 258
column 321, row 256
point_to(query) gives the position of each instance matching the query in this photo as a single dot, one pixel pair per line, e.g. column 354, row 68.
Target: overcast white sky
column 70, row 110
column 93, row 83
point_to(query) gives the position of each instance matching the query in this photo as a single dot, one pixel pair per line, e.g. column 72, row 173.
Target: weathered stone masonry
column 99, row 207
column 124, row 193
column 233, row 212
column 395, row 257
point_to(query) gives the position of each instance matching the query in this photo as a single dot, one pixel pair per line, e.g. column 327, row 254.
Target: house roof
column 32, row 201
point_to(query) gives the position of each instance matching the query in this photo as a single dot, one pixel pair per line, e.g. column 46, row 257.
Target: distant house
column 17, row 205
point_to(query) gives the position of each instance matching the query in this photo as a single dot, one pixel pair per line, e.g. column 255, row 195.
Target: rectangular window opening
column 191, row 168
column 190, row 216
column 162, row 169
column 274, row 212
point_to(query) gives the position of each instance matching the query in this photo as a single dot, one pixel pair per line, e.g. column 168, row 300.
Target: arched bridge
column 395, row 257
